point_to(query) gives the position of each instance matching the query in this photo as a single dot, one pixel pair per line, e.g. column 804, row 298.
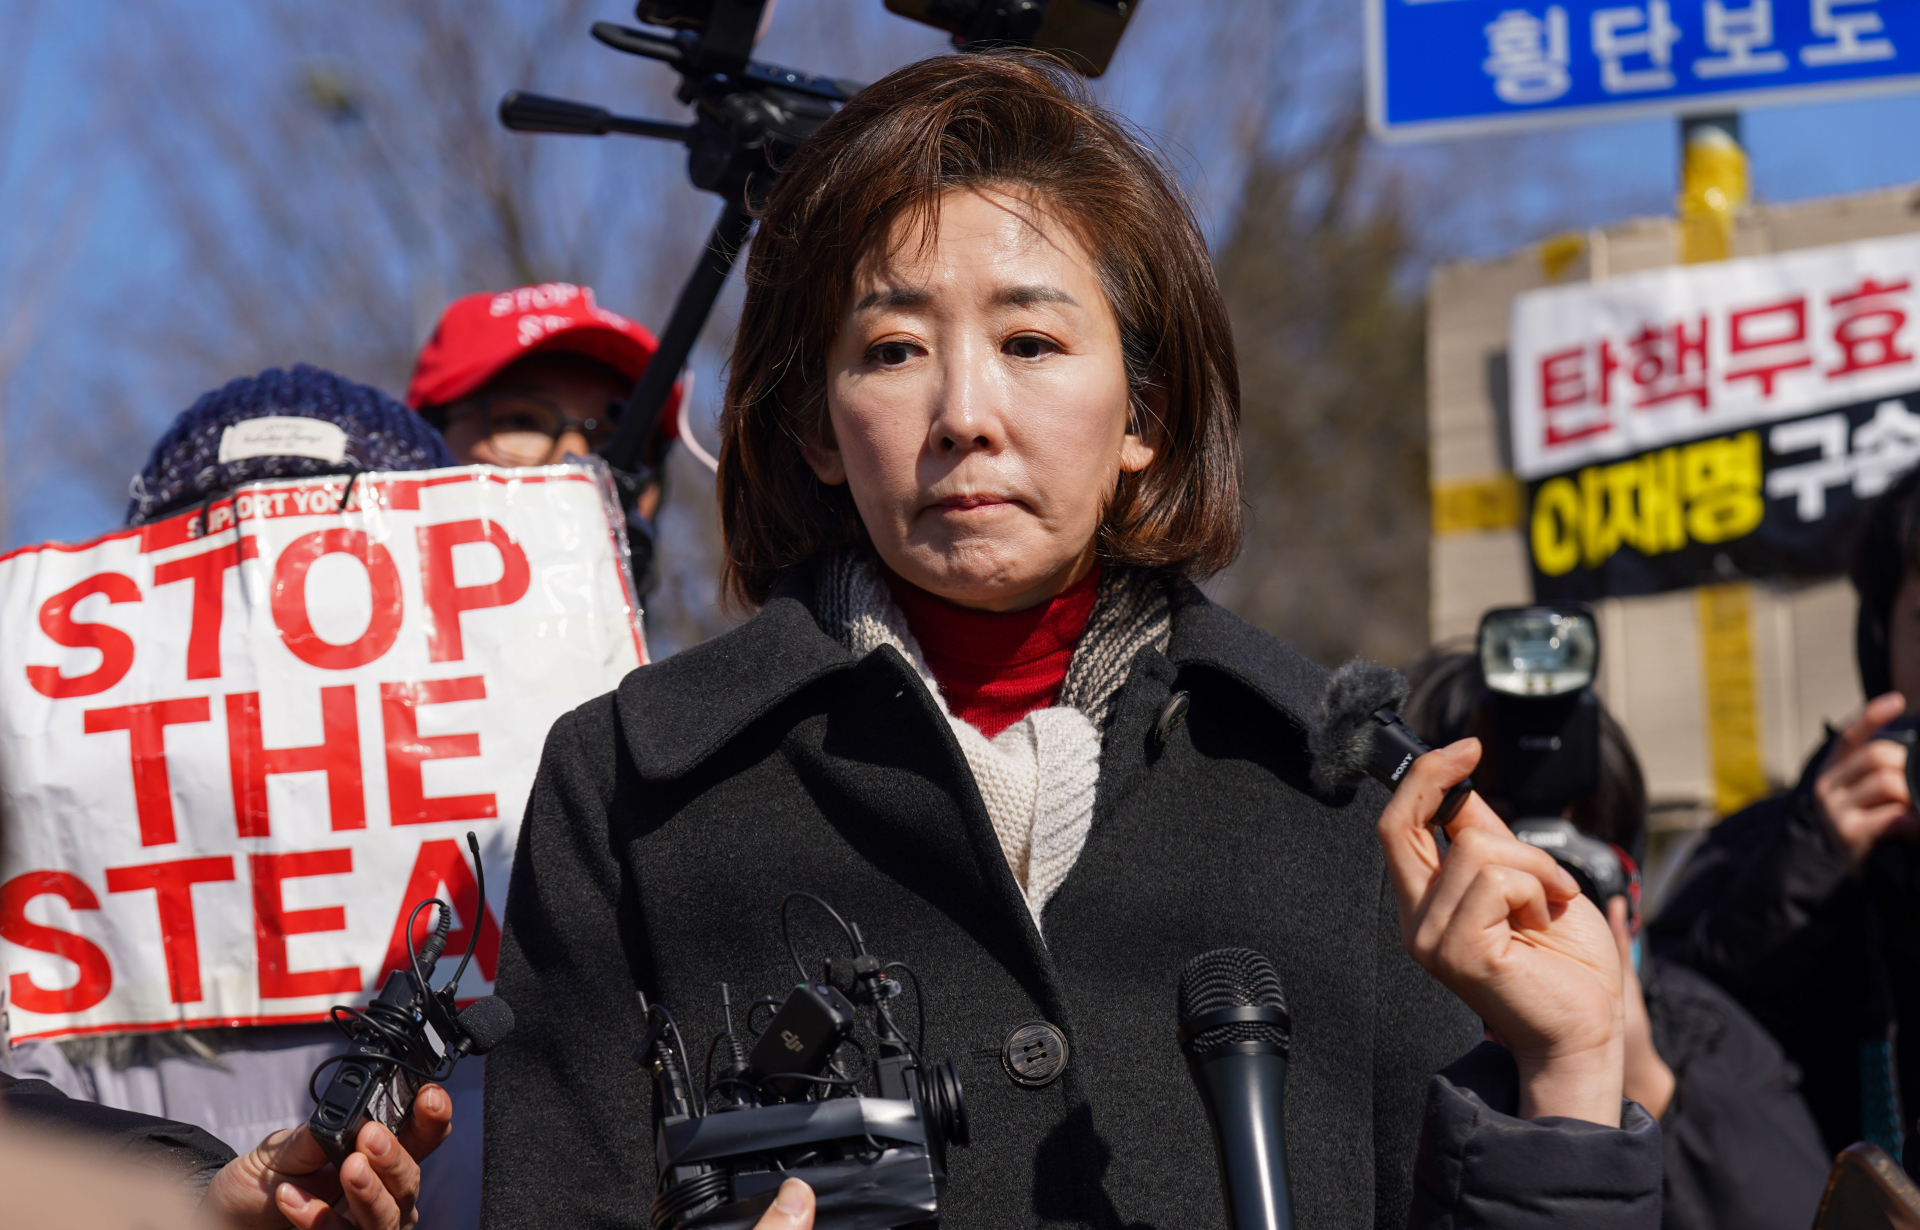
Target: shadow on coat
column 1072, row 1168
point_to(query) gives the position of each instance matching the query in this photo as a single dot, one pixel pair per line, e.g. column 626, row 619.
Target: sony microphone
column 1235, row 1032
column 1361, row 735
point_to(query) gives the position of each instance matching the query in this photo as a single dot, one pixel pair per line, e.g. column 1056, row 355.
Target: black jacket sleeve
column 1766, row 903
column 180, row 1151
column 1767, row 908
column 1741, row 1148
column 568, row 1114
column 1419, row 1027
column 1480, row 1168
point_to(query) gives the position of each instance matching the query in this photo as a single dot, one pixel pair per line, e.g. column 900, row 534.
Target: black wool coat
column 669, row 819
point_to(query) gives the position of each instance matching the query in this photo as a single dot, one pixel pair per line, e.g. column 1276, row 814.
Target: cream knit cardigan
column 1037, row 776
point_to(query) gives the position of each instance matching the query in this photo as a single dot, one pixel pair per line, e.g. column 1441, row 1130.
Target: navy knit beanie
column 185, row 468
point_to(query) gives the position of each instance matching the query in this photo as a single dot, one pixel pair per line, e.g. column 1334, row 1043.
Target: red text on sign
column 408, row 749
column 337, row 755
column 1867, row 325
column 273, row 923
column 445, row 600
column 288, row 599
column 96, row 974
column 147, row 741
column 1669, row 364
column 172, row 885
column 115, row 646
column 1573, row 408
column 1764, row 341
column 444, row 862
column 208, row 572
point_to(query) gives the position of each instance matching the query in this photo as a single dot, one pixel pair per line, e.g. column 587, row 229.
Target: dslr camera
column 828, row 1090
column 1538, row 722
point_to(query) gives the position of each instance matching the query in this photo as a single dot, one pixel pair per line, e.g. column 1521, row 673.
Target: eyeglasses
column 524, row 426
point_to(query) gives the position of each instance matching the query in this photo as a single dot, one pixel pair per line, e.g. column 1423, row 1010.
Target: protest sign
column 236, row 752
column 1709, row 422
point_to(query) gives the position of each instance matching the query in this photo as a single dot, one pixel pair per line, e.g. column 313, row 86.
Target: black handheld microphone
column 1235, row 1032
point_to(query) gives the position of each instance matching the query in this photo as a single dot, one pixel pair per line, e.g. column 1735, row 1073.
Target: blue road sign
column 1449, row 68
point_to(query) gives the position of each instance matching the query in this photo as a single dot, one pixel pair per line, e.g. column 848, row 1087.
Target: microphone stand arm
column 747, row 117
column 690, row 311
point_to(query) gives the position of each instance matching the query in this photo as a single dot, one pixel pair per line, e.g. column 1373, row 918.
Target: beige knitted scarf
column 1037, row 776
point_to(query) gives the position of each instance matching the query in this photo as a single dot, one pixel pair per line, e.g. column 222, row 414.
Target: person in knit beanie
column 246, row 431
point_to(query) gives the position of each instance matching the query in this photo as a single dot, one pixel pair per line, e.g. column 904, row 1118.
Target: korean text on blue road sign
column 1439, row 68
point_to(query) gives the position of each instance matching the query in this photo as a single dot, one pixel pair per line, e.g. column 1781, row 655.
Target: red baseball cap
column 479, row 335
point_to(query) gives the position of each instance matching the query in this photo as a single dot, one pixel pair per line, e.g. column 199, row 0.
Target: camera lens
column 946, row 1106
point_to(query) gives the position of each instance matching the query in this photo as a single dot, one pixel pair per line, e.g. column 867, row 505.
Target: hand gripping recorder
column 791, row 1102
column 409, row 1036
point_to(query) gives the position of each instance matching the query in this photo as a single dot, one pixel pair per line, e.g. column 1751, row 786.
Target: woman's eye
column 1027, row 346
column 891, row 354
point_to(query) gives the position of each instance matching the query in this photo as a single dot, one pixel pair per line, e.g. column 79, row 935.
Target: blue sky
column 1478, row 197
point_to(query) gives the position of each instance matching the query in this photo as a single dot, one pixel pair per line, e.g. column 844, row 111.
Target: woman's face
column 979, row 404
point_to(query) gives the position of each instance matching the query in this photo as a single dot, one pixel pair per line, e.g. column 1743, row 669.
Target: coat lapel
column 883, row 766
column 1212, row 638
column 1206, row 634
column 681, row 710
column 890, row 775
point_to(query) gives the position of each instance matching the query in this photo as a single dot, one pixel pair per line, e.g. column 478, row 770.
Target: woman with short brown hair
column 856, row 189
column 979, row 445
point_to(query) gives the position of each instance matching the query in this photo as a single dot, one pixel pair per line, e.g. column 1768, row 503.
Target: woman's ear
column 824, row 459
column 1142, row 442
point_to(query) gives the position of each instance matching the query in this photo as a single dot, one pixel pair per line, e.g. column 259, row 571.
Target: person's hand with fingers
column 1649, row 1081
column 287, row 1180
column 1862, row 788
column 792, row 1208
column 1505, row 928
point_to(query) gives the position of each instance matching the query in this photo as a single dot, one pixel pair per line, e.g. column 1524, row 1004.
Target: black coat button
column 1171, row 718
column 1035, row 1054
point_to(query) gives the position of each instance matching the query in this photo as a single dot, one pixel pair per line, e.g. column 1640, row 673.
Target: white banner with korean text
column 235, row 755
column 1611, row 369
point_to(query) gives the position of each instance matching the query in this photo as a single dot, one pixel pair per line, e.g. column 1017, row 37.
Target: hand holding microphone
column 1506, row 929
column 288, row 1179
column 1361, row 735
column 1496, row 920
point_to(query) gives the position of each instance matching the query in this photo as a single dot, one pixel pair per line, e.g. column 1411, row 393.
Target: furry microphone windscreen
column 1342, row 743
column 487, row 1021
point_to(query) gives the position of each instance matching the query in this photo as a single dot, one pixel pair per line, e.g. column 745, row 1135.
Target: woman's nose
column 969, row 415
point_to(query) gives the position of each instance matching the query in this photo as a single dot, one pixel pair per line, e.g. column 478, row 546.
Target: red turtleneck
column 997, row 667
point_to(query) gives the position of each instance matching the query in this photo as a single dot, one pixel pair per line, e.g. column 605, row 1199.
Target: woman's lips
column 962, row 503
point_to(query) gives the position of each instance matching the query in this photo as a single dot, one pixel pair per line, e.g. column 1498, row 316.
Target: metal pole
column 1713, row 191
column 1713, row 185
